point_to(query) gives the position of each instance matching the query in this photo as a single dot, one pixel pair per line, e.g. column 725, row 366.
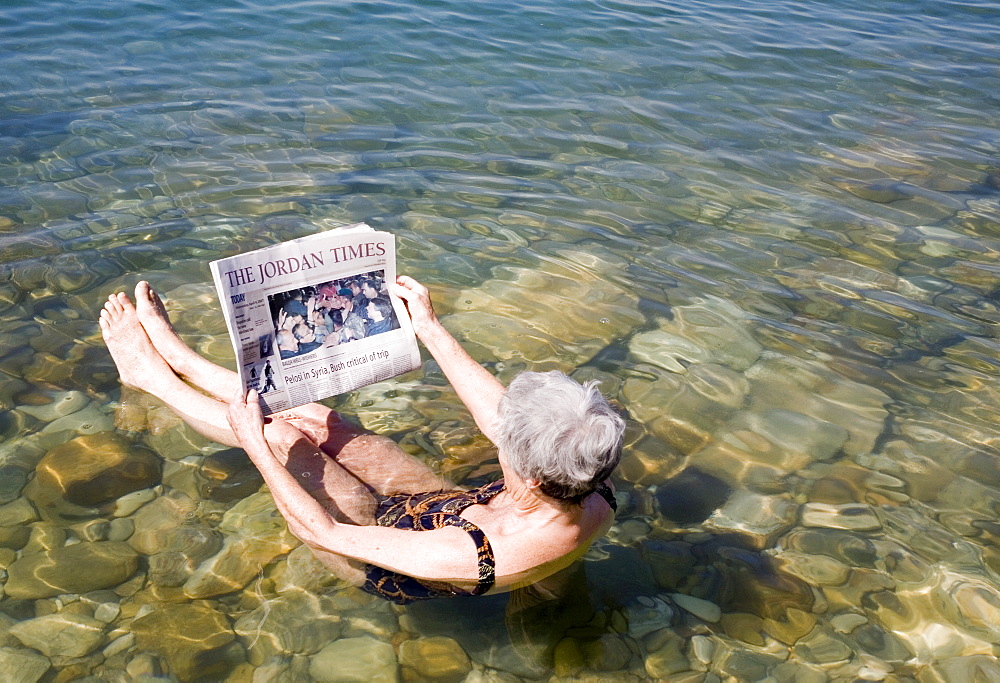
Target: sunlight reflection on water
column 771, row 231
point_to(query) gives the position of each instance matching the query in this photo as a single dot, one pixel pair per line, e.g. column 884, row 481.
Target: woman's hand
column 418, row 302
column 245, row 417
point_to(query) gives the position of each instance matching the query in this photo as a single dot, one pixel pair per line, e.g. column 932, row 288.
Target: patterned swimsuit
column 435, row 510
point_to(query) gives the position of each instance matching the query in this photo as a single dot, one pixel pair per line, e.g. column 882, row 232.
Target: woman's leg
column 340, row 493
column 376, row 460
column 345, row 497
column 182, row 359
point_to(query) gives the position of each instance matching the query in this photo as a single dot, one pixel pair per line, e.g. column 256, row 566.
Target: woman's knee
column 325, row 428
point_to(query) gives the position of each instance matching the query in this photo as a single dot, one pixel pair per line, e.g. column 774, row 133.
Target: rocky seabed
column 778, row 522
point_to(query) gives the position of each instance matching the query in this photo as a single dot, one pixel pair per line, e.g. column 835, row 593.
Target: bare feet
column 137, row 361
column 153, row 316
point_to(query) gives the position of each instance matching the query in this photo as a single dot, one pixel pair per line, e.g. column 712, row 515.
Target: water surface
column 770, row 229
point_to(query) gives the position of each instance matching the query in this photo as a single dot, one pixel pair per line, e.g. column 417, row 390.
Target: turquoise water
column 770, row 229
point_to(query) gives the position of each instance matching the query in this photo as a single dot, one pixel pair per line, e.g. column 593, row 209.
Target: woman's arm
column 446, row 554
column 479, row 390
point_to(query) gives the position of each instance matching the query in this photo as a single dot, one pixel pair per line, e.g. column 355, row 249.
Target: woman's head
column 560, row 433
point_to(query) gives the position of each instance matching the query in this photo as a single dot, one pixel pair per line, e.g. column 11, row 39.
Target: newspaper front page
column 312, row 317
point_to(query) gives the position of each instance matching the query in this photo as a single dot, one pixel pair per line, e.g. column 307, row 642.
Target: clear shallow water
column 770, row 229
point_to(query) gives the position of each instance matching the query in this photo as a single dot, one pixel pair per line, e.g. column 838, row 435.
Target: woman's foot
column 182, row 359
column 153, row 316
column 139, row 365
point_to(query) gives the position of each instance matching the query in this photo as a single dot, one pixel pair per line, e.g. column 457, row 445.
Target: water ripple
column 770, row 229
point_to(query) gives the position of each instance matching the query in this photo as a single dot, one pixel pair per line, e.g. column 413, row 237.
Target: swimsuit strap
column 605, row 492
column 487, row 492
column 484, row 551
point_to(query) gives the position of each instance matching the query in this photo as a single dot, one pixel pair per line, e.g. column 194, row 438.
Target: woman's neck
column 526, row 499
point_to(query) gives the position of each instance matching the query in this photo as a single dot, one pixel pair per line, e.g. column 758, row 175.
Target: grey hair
column 564, row 434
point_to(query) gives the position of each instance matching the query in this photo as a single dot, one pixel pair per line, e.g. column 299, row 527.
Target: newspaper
column 311, row 317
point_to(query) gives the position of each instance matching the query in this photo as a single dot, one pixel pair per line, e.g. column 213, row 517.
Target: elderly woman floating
column 558, row 443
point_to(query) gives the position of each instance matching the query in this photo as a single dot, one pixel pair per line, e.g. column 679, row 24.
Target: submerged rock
column 811, row 389
column 60, row 635
column 792, row 625
column 17, row 513
column 578, row 313
column 850, row 516
column 849, row 548
column 743, row 627
column 668, row 658
column 710, row 330
column 822, row 647
column 89, row 421
column 190, row 637
column 89, row 472
column 881, row 643
column 303, row 571
column 703, row 609
column 44, row 536
column 75, row 568
column 168, row 525
column 62, row 404
column 669, row 561
column 258, row 534
column 236, row 564
column 684, row 408
column 434, row 659
column 691, row 496
column 758, row 519
column 970, row 603
column 130, row 502
column 12, row 481
column 814, row 569
column 388, row 407
column 971, row 668
column 881, row 191
column 647, row 615
column 355, row 660
column 294, row 623
column 667, row 350
column 609, row 652
column 229, row 476
column 649, row 461
column 786, row 438
column 567, row 658
column 170, row 569
column 22, row 665
column 696, row 382
column 650, row 400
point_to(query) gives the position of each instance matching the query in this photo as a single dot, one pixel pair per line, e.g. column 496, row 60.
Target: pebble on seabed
column 355, row 660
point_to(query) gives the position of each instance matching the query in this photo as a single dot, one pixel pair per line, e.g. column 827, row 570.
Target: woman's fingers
column 407, row 282
column 400, row 291
column 244, row 411
column 418, row 302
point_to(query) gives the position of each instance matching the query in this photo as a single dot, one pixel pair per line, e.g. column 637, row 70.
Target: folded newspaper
column 312, row 317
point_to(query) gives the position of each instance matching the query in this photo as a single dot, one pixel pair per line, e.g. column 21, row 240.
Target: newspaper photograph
column 313, row 317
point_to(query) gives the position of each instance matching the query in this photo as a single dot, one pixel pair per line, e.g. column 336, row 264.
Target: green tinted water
column 771, row 230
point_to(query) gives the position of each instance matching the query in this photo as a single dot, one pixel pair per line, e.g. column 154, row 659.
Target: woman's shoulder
column 530, row 544
column 534, row 557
